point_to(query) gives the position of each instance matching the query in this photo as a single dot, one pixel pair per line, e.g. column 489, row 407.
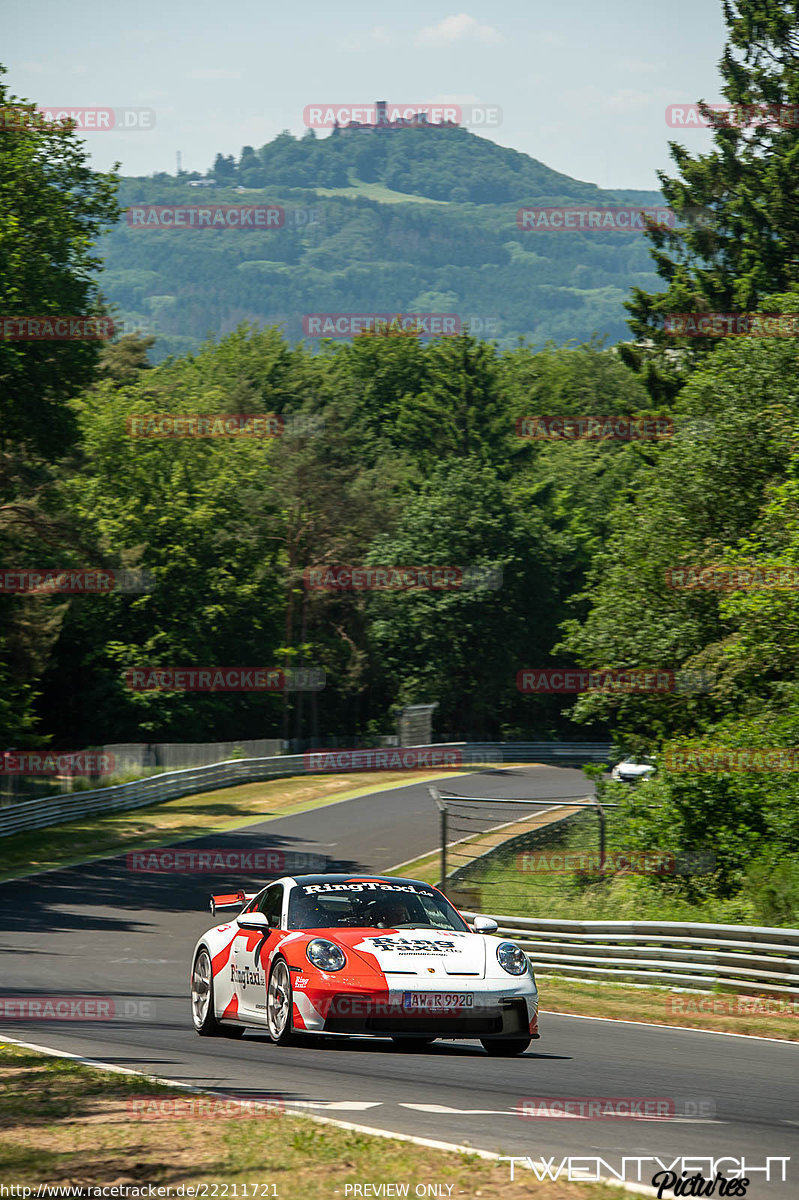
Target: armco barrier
column 38, row 814
column 686, row 955
column 559, row 753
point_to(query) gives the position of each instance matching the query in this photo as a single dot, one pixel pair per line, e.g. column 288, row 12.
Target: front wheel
column 202, row 1000
column 505, row 1047
column 279, row 1004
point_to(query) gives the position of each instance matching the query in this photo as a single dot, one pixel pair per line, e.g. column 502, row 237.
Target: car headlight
column 325, row 955
column 511, row 958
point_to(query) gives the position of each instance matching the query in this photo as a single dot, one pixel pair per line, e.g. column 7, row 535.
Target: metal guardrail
column 547, row 752
column 686, row 955
column 38, row 814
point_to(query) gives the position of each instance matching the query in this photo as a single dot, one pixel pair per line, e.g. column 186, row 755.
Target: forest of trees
column 414, row 459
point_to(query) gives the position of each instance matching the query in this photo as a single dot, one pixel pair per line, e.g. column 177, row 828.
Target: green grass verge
column 64, row 1123
column 507, row 885
column 723, row 1013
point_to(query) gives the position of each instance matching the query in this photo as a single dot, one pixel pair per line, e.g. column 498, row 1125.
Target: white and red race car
column 342, row 954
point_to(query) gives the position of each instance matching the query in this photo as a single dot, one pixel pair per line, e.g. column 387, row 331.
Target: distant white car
column 631, row 770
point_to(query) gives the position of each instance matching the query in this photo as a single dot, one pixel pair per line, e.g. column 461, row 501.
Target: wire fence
column 544, row 856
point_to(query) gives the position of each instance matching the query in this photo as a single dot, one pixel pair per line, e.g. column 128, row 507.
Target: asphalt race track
column 101, row 930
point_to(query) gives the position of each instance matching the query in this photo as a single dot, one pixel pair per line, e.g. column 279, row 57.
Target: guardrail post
column 600, row 812
column 442, row 809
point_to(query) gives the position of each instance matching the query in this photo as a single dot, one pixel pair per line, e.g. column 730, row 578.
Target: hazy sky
column 583, row 84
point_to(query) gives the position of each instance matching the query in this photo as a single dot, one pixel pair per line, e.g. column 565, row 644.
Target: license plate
column 438, row 1001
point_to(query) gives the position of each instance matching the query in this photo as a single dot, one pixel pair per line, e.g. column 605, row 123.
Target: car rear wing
column 230, row 900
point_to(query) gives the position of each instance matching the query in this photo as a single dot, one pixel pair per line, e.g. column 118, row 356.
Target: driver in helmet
column 393, row 912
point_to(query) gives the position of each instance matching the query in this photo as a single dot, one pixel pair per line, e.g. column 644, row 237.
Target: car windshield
column 371, row 906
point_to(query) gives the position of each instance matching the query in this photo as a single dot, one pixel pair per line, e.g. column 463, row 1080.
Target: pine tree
column 737, row 239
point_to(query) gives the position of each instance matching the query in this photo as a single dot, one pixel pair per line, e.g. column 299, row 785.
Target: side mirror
column 484, row 925
column 253, row 920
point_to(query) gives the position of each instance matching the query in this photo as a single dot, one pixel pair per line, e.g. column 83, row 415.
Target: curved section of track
column 101, row 930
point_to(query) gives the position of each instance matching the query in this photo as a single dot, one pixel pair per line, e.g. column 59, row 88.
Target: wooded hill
column 405, row 220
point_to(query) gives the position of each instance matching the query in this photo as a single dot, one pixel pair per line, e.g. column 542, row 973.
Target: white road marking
column 335, row 1105
column 463, row 1112
column 511, row 1112
column 144, row 960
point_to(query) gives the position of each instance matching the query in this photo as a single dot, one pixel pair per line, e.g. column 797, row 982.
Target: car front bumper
column 353, row 1005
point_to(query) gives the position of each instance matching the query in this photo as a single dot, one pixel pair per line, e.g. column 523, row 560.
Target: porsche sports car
column 631, row 770
column 342, row 954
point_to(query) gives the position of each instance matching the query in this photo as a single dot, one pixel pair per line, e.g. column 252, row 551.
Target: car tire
column 280, row 1004
column 505, row 1047
column 412, row 1044
column 202, row 1000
